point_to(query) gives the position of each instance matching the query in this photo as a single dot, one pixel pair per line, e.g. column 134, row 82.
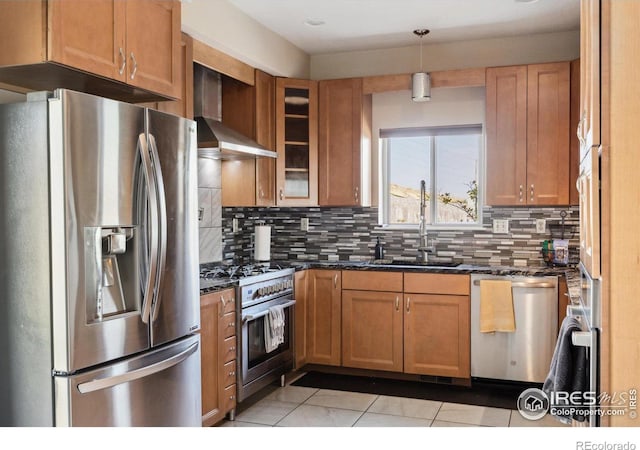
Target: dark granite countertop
column 426, row 268
column 572, row 274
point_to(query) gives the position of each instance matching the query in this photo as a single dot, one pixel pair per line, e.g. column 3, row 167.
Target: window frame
column 432, row 133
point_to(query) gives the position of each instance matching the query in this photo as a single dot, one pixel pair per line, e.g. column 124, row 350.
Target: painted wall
column 226, row 28
column 547, row 47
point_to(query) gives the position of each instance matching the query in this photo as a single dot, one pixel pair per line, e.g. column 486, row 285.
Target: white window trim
column 383, row 212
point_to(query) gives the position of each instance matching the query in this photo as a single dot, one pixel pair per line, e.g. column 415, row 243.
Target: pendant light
column 421, row 81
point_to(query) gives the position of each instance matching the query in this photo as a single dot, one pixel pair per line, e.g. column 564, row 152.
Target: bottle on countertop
column 379, row 250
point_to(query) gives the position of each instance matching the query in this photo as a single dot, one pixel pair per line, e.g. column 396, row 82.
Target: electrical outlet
column 304, row 224
column 500, row 226
column 234, row 225
column 541, row 225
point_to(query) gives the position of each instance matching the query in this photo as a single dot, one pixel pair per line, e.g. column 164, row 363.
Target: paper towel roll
column 262, row 243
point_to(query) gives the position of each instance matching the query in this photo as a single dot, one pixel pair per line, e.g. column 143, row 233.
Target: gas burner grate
column 237, row 271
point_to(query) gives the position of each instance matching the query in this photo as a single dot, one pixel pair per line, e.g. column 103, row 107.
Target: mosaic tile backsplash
column 349, row 234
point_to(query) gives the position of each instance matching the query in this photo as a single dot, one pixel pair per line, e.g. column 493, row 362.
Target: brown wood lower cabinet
column 324, row 317
column 300, row 294
column 437, row 335
column 372, row 330
column 218, row 355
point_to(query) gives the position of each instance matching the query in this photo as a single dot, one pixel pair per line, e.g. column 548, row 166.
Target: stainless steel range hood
column 215, row 140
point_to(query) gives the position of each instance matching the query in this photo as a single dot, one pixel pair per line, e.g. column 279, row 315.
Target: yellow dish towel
column 496, row 306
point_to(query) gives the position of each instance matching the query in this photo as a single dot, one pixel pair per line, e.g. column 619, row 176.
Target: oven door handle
column 249, row 317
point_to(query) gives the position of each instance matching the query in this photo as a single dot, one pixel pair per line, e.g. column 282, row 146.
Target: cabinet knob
column 335, row 281
column 123, row 58
column 281, row 194
column 232, row 349
column 231, row 374
column 231, row 325
column 397, row 303
column 408, row 303
column 521, row 193
column 355, row 192
column 135, row 66
column 532, row 192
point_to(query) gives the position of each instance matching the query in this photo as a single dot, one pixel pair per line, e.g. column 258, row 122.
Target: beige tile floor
column 295, row 406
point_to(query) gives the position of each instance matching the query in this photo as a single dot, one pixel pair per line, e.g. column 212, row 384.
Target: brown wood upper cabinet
column 184, row 106
column 344, row 135
column 250, row 110
column 296, row 142
column 588, row 130
column 136, row 43
column 528, row 134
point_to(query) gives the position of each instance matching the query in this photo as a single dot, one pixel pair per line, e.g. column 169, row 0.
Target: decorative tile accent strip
column 349, row 234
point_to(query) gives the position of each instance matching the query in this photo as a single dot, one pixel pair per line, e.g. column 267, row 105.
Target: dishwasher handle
column 525, row 284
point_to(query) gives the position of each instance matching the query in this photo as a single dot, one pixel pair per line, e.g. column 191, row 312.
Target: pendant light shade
column 421, row 87
column 421, row 81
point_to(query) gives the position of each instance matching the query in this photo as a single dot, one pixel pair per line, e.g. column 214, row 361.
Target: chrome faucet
column 423, row 248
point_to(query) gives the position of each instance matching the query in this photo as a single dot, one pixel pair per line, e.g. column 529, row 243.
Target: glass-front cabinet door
column 297, row 142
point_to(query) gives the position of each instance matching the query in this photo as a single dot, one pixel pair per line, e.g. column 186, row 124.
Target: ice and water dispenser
column 112, row 275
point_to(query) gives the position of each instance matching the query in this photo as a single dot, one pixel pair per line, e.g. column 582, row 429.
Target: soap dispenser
column 379, row 250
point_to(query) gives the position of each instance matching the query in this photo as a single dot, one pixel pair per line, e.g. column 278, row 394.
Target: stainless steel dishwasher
column 523, row 355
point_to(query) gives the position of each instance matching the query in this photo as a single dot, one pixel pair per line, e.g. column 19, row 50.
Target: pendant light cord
column 421, row 33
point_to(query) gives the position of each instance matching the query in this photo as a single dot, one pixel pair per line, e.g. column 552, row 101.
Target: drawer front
column 369, row 280
column 229, row 349
column 437, row 283
column 229, row 373
column 228, row 296
column 228, row 325
column 229, row 398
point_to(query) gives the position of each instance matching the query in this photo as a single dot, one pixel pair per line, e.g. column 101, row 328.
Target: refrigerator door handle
column 152, row 271
column 105, row 383
column 161, row 206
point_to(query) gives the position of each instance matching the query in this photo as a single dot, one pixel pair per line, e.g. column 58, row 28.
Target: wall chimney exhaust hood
column 215, row 140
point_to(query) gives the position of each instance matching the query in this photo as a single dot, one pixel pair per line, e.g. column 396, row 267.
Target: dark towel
column 569, row 368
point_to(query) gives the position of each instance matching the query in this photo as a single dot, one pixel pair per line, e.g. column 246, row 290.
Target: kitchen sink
column 416, row 263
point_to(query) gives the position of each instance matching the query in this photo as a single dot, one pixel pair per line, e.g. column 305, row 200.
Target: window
column 448, row 159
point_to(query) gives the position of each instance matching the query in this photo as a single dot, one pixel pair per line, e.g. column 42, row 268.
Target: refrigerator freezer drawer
column 157, row 388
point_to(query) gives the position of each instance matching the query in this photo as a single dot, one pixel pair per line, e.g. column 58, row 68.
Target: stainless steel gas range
column 259, row 288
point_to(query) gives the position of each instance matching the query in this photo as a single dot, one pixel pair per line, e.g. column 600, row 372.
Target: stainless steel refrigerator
column 99, row 294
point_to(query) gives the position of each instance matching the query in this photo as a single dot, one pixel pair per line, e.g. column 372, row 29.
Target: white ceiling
column 372, row 24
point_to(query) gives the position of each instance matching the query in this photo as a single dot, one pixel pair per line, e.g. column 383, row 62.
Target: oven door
column 259, row 367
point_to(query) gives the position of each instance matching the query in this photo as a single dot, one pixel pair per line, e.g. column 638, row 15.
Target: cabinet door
column 548, row 134
column 589, row 192
column 339, row 140
column 590, row 56
column 90, row 35
column 574, row 141
column 266, row 136
column 506, row 118
column 437, row 335
column 184, row 106
column 296, row 142
column 210, row 314
column 372, row 330
column 324, row 317
column 153, row 45
column 300, row 294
